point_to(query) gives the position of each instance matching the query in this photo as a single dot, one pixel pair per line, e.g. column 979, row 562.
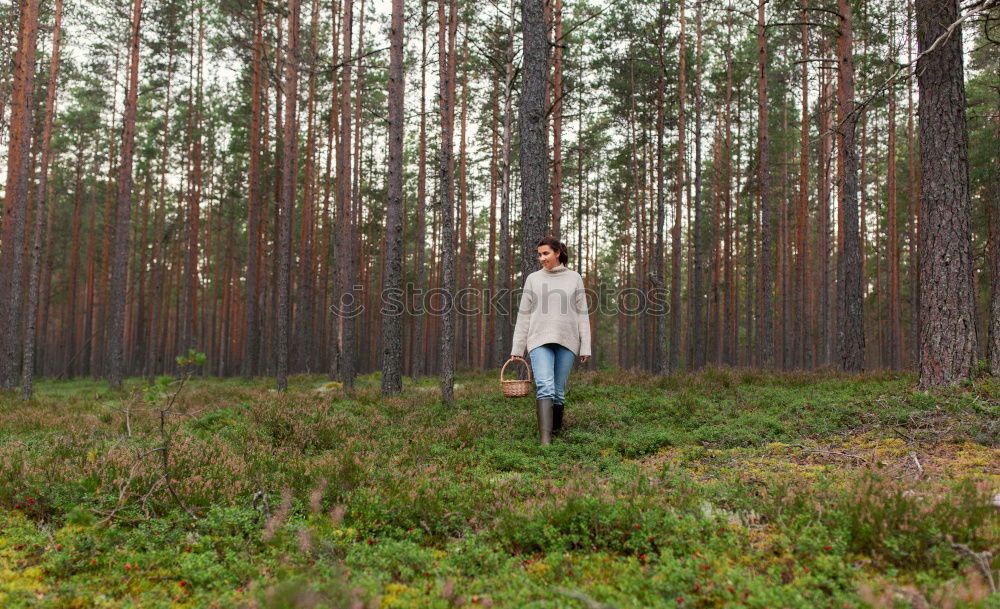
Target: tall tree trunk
column 446, row 68
column 850, row 318
column 392, row 318
column 303, row 355
column 492, row 345
column 418, row 365
column 994, row 335
column 662, row 364
column 557, row 101
column 766, row 339
column 287, row 202
column 70, row 333
column 504, row 270
column 189, row 303
column 803, row 289
column 534, row 161
column 28, row 369
column 947, row 305
column 159, row 313
column 119, row 275
column 15, row 205
column 675, row 233
column 914, row 196
column 697, row 351
column 895, row 338
column 345, row 220
column 252, row 329
column 726, row 346
column 825, row 157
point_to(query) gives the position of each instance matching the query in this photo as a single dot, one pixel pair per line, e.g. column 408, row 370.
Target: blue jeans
column 550, row 365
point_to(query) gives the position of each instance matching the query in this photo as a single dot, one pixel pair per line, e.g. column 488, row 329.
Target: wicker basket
column 515, row 388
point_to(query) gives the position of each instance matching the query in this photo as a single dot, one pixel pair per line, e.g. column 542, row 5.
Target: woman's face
column 548, row 257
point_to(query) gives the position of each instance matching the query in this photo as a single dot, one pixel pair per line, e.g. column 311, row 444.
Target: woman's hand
column 584, row 358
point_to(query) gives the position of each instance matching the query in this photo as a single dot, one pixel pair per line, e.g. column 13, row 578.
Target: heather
column 725, row 488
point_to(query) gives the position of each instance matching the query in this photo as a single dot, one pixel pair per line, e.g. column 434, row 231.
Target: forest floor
column 726, row 488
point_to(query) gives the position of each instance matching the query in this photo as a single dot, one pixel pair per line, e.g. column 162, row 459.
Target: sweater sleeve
column 520, row 343
column 583, row 318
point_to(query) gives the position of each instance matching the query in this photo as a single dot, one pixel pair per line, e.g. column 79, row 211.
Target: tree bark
column 251, row 326
column 803, row 289
column 557, row 101
column 504, row 270
column 947, row 306
column 534, row 161
column 418, row 364
column 392, row 320
column 28, row 368
column 119, row 277
column 697, row 350
column 766, row 339
column 287, row 202
column 345, row 220
column 994, row 336
column 850, row 319
column 660, row 334
column 895, row 338
column 446, row 170
column 675, row 232
column 15, row 206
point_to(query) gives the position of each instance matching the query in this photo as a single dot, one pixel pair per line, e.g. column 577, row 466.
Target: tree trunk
column 825, row 155
column 70, row 334
column 287, row 202
column 534, row 161
column 418, row 362
column 766, row 339
column 189, row 303
column 803, row 289
column 994, row 336
column 252, row 330
column 894, row 339
column 557, row 99
column 446, row 68
column 697, row 351
column 119, row 277
column 850, row 319
column 28, row 369
column 345, row 221
column 303, row 351
column 914, row 196
column 662, row 364
column 392, row 316
column 504, row 270
column 15, row 206
column 947, row 306
column 675, row 233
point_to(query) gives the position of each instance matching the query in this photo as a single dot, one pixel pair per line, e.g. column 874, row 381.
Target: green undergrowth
column 726, row 488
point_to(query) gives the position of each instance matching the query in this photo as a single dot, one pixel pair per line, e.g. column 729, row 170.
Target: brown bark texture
column 947, row 311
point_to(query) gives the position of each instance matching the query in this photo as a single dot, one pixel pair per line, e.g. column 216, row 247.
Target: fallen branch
column 981, row 559
column 917, row 462
column 831, row 452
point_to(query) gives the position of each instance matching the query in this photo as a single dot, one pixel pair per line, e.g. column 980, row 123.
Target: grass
column 726, row 488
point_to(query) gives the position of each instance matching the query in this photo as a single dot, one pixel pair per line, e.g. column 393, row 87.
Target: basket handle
column 512, row 358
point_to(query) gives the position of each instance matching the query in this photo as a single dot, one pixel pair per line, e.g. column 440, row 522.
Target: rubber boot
column 557, row 414
column 543, row 408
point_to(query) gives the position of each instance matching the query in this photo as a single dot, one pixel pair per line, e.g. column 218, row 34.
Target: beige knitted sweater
column 553, row 310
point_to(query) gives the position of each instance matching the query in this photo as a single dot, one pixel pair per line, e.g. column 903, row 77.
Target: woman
column 553, row 325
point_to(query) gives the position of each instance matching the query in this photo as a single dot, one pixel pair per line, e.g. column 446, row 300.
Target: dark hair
column 557, row 246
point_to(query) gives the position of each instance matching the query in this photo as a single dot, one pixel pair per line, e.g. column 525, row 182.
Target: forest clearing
column 720, row 489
